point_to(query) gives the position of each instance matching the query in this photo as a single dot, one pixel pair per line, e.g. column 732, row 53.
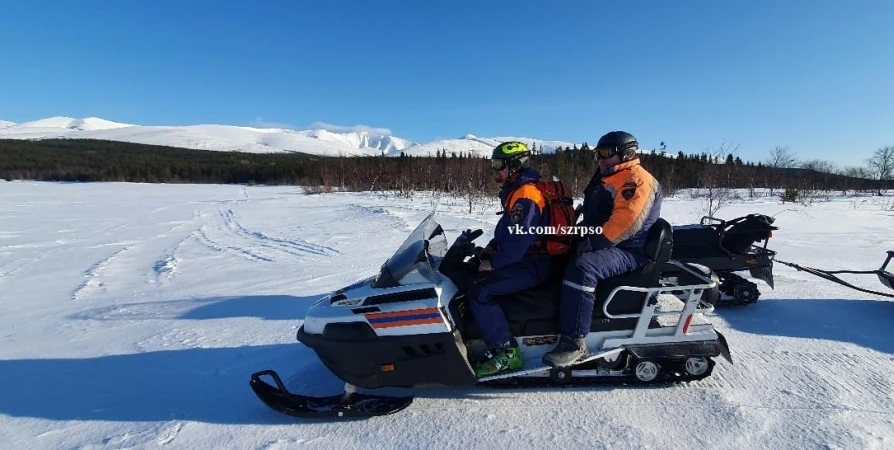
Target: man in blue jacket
column 512, row 259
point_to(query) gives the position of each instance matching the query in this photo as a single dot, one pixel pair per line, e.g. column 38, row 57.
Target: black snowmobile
column 409, row 326
column 724, row 248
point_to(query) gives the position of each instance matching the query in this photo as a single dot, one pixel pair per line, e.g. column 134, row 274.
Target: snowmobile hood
column 409, row 277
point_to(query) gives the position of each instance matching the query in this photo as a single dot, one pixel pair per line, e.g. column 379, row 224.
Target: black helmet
column 617, row 143
column 513, row 153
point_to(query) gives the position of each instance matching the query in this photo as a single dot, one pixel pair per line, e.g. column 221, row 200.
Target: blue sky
column 812, row 75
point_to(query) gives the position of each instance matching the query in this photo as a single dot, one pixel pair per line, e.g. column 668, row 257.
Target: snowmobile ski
column 349, row 404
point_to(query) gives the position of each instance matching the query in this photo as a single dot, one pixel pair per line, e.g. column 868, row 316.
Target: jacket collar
column 517, row 179
column 623, row 166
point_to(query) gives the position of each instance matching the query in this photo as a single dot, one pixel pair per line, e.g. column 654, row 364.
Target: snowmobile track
column 672, row 373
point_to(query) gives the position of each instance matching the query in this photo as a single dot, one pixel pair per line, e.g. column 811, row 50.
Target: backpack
column 746, row 230
column 561, row 217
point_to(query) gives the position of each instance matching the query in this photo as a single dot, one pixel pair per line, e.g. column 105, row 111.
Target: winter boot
column 568, row 351
column 507, row 358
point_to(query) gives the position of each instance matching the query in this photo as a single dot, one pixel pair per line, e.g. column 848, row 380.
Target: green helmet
column 513, row 153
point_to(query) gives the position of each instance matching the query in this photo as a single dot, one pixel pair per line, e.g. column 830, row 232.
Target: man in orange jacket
column 625, row 200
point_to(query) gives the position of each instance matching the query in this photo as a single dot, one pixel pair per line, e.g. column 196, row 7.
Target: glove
column 584, row 247
column 464, row 241
column 469, row 236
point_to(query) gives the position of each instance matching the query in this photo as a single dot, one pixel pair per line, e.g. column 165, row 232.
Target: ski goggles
column 498, row 164
column 605, row 153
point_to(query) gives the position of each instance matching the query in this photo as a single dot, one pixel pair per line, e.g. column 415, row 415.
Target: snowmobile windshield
column 418, row 258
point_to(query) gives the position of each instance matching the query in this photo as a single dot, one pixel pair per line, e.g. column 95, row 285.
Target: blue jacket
column 625, row 202
column 522, row 208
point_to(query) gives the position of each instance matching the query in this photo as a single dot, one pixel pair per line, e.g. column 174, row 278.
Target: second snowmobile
column 409, row 326
column 720, row 248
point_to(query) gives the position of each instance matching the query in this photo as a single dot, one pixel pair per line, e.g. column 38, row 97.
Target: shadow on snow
column 267, row 307
column 207, row 385
column 866, row 323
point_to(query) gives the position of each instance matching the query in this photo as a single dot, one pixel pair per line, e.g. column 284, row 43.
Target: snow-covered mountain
column 257, row 140
column 56, row 124
column 210, row 137
column 479, row 146
column 361, row 139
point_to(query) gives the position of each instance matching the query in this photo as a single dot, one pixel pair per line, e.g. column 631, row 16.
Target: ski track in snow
column 169, row 433
column 224, row 233
column 93, row 276
column 165, row 268
column 378, row 213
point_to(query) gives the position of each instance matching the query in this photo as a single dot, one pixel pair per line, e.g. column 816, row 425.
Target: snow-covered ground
column 132, row 315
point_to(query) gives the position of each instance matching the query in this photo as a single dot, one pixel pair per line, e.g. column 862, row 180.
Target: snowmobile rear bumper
column 348, row 404
column 764, row 274
column 355, row 354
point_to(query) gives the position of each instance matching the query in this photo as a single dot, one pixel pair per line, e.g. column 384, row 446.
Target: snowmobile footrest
column 352, row 404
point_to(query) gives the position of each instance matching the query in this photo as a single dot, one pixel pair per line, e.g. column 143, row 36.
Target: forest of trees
column 457, row 174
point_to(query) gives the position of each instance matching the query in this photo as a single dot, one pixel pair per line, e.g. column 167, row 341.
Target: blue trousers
column 505, row 280
column 579, row 286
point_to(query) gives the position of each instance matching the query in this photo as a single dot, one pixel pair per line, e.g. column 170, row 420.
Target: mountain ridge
column 316, row 141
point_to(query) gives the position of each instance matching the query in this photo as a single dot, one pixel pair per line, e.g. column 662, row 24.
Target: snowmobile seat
column 733, row 237
column 697, row 241
column 536, row 310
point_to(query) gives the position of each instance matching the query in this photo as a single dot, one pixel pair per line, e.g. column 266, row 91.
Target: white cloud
column 259, row 122
column 349, row 129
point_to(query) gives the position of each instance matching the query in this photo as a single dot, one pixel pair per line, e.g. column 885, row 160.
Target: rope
column 828, row 275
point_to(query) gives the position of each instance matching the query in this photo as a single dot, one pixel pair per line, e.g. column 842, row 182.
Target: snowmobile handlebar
column 464, row 243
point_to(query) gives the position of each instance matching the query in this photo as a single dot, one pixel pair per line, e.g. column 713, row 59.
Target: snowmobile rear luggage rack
column 693, row 304
column 885, row 277
column 652, row 294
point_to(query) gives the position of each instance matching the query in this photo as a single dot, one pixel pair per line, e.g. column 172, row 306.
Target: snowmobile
column 724, row 247
column 409, row 326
